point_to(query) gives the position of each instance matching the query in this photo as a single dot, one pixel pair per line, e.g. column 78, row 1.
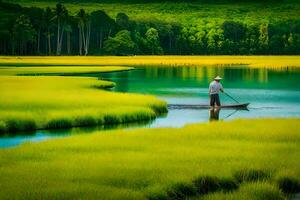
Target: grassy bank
column 256, row 159
column 45, row 102
column 252, row 61
column 60, row 70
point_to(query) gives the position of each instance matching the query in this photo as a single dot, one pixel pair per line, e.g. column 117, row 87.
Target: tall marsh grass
column 253, row 61
column 59, row 70
column 39, row 102
column 197, row 161
column 250, row 191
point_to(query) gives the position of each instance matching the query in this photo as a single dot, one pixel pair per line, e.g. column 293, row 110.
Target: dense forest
column 55, row 31
column 161, row 1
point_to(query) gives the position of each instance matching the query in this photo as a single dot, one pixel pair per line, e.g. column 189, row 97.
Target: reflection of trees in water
column 263, row 75
column 200, row 76
column 123, row 83
column 120, row 78
column 182, row 72
column 207, row 73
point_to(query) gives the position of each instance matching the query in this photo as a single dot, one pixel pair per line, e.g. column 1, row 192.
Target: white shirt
column 215, row 87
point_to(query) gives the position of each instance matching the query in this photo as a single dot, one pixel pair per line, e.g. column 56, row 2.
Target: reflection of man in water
column 214, row 88
column 214, row 113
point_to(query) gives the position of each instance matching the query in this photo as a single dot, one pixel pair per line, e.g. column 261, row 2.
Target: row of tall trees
column 37, row 31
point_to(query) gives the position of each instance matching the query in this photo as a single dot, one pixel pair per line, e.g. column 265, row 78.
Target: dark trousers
column 214, row 99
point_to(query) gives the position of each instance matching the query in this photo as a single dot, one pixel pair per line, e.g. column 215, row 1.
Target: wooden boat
column 242, row 106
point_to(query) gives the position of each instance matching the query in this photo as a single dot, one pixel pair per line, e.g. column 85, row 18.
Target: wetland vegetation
column 45, row 102
column 279, row 62
column 242, row 159
column 247, row 157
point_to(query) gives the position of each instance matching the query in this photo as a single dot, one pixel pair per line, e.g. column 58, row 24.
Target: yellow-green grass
column 253, row 61
column 143, row 163
column 63, row 70
column 250, row 191
column 39, row 102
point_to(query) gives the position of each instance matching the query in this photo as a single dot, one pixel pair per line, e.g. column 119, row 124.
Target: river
column 270, row 92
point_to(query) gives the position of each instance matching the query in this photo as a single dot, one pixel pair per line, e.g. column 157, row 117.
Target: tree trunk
column 1, row 47
column 170, row 43
column 152, row 49
column 69, row 43
column 25, row 48
column 97, row 40
column 87, row 42
column 101, row 39
column 61, row 40
column 13, row 48
column 38, row 41
column 21, row 47
column 58, row 35
column 49, row 42
column 80, row 41
column 83, row 37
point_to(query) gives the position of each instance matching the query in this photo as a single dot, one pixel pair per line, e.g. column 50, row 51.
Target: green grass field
column 255, row 159
column 44, row 102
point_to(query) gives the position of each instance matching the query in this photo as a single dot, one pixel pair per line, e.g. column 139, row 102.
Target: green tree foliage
column 152, row 39
column 276, row 44
column 22, row 34
column 251, row 40
column 103, row 26
column 122, row 21
column 233, row 31
column 141, row 43
column 36, row 18
column 121, row 44
column 263, row 37
column 214, row 40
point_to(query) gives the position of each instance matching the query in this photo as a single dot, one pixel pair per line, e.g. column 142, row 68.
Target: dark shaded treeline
column 37, row 31
column 177, row 1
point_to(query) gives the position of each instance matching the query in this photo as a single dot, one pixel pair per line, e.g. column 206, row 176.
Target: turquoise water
column 271, row 93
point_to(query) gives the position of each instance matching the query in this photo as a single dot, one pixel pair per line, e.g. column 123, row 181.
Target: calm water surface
column 271, row 93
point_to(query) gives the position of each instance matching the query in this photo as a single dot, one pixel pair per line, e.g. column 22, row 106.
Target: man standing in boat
column 214, row 88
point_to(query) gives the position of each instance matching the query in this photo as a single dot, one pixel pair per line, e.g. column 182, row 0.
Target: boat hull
column 199, row 106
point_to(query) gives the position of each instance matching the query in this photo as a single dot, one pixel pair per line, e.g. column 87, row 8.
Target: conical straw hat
column 218, row 78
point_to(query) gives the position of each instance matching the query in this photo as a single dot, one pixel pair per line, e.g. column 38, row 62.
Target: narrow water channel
column 270, row 92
